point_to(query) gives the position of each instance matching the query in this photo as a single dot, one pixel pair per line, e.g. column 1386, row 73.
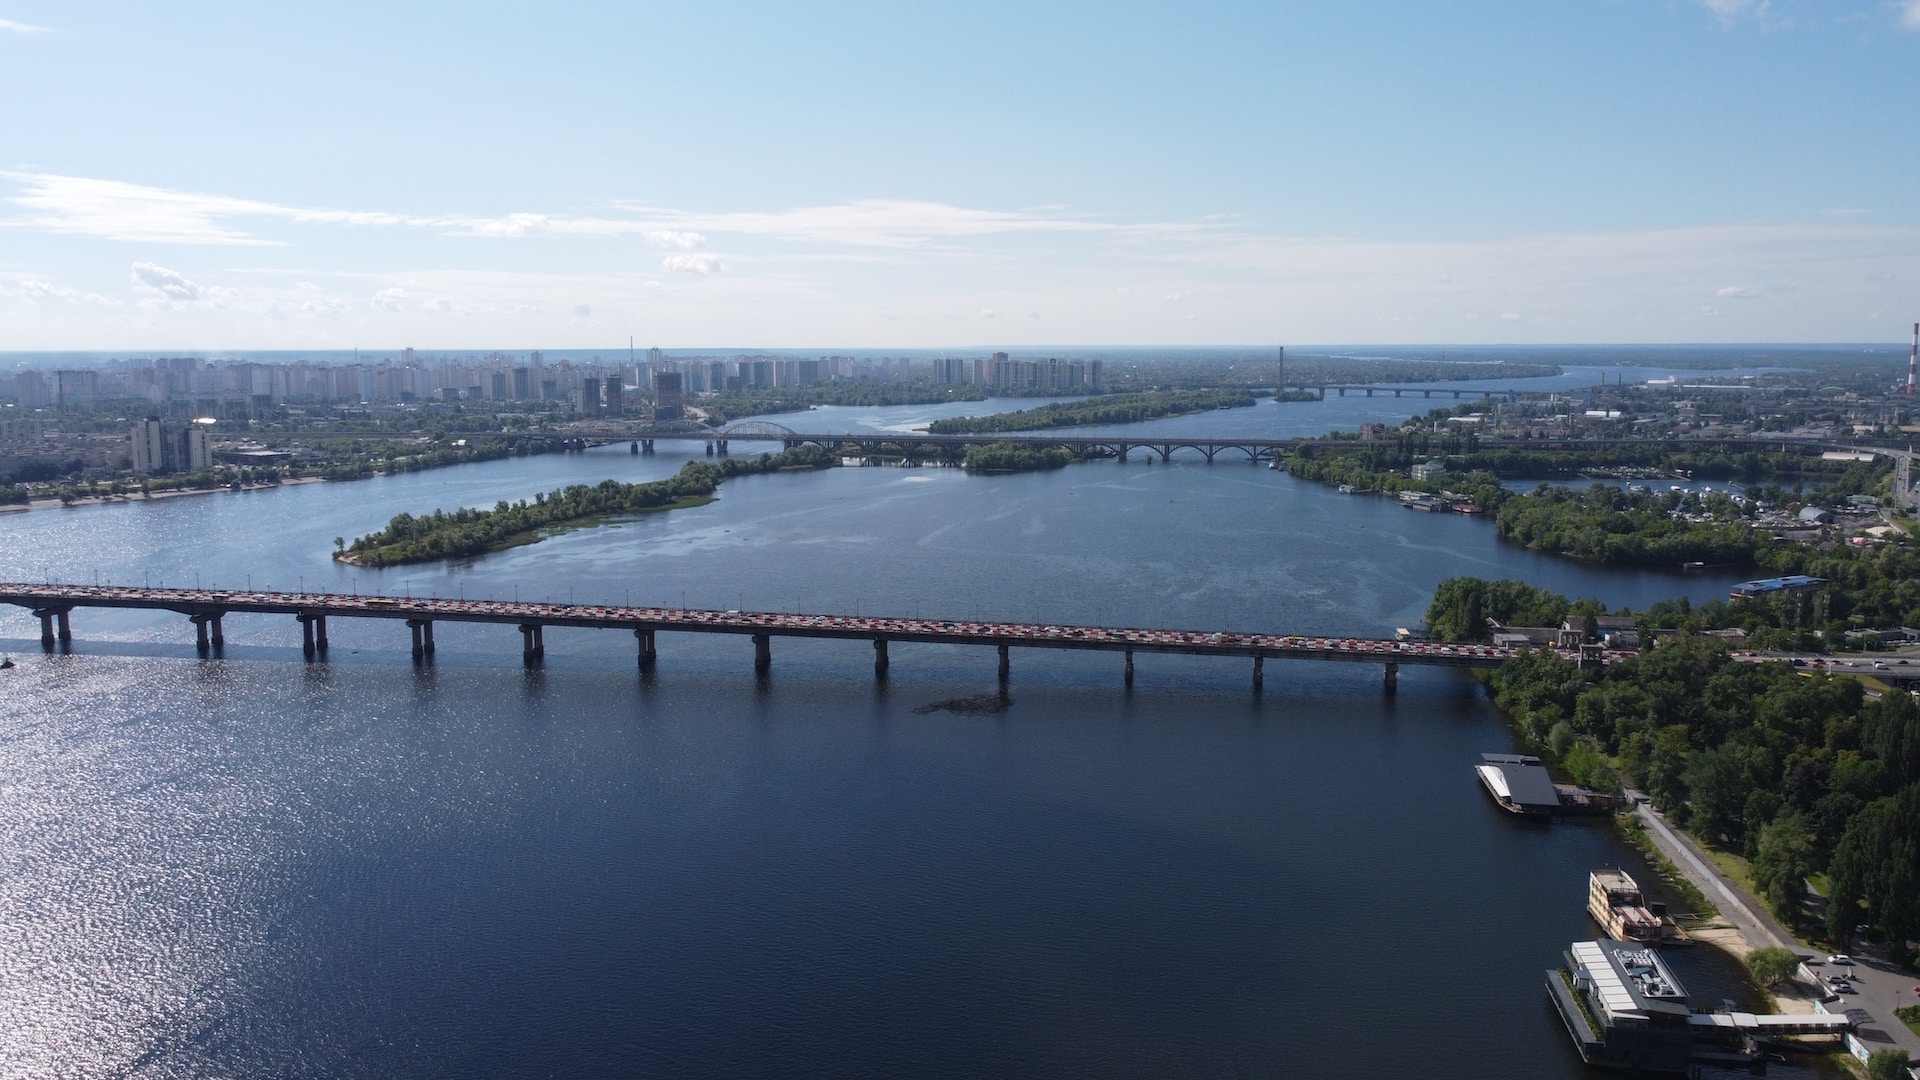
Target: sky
column 208, row 176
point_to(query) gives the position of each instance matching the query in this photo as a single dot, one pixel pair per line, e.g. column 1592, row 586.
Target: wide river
column 258, row 866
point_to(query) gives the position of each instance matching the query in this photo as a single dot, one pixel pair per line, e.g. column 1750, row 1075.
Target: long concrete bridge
column 952, row 448
column 206, row 610
column 920, row 445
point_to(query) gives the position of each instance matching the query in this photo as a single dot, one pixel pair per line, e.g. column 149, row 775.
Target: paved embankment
column 1880, row 987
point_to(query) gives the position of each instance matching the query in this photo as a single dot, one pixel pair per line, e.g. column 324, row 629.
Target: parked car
column 1840, row 958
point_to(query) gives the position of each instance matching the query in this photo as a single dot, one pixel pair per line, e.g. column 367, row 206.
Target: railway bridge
column 206, row 610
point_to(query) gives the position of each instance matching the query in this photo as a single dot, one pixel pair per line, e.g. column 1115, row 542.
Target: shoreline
column 136, row 497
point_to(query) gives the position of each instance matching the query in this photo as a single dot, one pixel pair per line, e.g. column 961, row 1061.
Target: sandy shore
column 104, row 500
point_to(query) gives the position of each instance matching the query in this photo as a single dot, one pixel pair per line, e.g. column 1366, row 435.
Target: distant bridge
column 915, row 445
column 1370, row 389
column 207, row 608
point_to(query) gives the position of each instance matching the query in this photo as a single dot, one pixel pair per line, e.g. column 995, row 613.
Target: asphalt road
column 1879, row 987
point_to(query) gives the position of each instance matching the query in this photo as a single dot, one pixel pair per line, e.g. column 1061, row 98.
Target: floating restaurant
column 1519, row 783
column 1625, row 1010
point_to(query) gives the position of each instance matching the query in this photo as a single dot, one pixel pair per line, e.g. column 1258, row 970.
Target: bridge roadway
column 1483, row 393
column 919, row 444
column 53, row 604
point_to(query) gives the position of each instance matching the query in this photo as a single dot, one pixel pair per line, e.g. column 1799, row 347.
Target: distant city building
column 158, row 449
column 1003, row 373
column 950, row 370
column 667, row 395
column 1429, row 470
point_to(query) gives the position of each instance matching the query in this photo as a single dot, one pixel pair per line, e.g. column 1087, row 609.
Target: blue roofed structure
column 1778, row 586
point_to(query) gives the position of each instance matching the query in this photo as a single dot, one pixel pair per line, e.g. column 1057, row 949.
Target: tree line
column 1106, row 409
column 1799, row 772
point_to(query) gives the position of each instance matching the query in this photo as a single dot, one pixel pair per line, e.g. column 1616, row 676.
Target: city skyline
column 1711, row 171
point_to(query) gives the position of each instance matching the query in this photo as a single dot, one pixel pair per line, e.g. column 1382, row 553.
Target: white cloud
column 21, row 28
column 1511, row 316
column 135, row 212
column 170, row 284
column 989, row 313
column 1730, row 11
column 395, row 299
column 1910, row 14
column 583, row 310
column 35, row 289
column 1736, row 292
column 692, row 264
column 118, row 210
column 884, row 222
column 686, row 241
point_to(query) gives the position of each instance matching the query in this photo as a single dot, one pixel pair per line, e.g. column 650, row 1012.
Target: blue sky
column 209, row 176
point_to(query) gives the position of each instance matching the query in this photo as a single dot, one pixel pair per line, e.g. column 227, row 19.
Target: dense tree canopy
column 1796, row 769
column 1107, row 409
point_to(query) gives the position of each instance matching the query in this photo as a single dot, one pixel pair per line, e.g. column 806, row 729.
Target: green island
column 466, row 533
column 1789, row 773
column 724, row 408
column 1007, row 457
column 1105, row 409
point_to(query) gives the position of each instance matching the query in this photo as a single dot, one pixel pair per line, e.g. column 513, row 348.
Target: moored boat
column 1615, row 901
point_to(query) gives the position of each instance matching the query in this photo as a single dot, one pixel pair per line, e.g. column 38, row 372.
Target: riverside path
column 207, row 608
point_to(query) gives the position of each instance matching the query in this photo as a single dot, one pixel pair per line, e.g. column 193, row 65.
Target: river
column 258, row 866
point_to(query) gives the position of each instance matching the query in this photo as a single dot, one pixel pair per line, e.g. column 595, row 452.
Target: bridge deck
column 212, row 602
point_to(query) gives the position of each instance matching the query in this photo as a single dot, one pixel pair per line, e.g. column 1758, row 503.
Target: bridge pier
column 533, row 643
column 645, row 640
column 1259, row 673
column 55, row 625
column 207, row 634
column 1393, row 679
column 1129, row 675
column 1006, row 667
column 762, row 653
column 422, row 637
column 879, row 658
column 309, row 640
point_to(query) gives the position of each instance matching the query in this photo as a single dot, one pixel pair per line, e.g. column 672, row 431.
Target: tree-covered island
column 466, row 533
column 1106, row 409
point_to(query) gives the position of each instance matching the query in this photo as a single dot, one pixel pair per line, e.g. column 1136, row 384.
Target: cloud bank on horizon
column 1733, row 170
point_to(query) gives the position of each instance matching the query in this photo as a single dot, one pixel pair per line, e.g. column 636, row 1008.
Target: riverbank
column 107, row 500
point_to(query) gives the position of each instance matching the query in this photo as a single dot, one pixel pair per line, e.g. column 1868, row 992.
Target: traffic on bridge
column 206, row 608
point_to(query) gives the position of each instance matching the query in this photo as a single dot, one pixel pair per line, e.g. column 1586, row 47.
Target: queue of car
column 825, row 625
